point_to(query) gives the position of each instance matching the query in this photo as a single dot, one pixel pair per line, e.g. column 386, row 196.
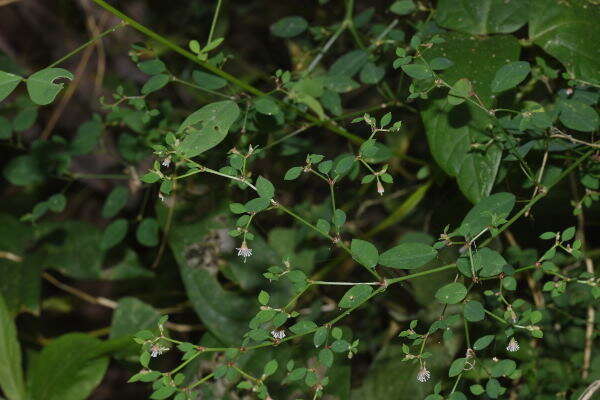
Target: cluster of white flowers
column 278, row 334
column 244, row 251
column 513, row 345
column 156, row 350
column 423, row 375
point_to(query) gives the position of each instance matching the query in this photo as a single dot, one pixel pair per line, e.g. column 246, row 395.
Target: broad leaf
column 408, row 256
column 207, row 127
column 451, row 293
column 496, row 206
column 355, row 296
column 8, row 83
column 569, row 32
column 481, row 17
column 451, row 130
column 364, row 252
column 131, row 316
column 510, row 75
column 11, row 370
column 41, row 86
column 69, row 368
column 289, row 27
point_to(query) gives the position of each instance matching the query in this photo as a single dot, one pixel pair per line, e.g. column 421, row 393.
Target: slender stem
column 201, row 381
column 345, row 283
column 217, row 71
column 326, row 47
column 537, row 198
column 192, row 85
column 214, row 22
column 86, row 44
column 491, row 314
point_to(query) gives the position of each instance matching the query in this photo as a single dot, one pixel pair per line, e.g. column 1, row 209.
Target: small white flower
column 513, row 345
column 156, row 350
column 278, row 334
column 244, row 251
column 380, row 188
column 166, row 162
column 423, row 375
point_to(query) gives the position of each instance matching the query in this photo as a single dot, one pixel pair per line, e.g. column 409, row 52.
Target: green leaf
column 568, row 32
column 152, row 67
column 8, row 83
column 115, row 201
column 450, row 129
column 289, row 27
column 57, row 202
column 207, row 127
column 320, row 336
column 326, row 357
column 486, row 260
column 510, row 75
column 292, row 173
column 457, row 367
column 493, row 388
column 88, row 136
column 402, row 7
column 163, row 392
column 459, row 92
column 482, row 17
column 23, row 171
column 263, row 298
column 5, row 128
column 408, row 256
column 568, row 234
column 114, row 233
column 355, row 296
column 208, row 81
column 11, row 371
column 265, row 188
column 147, row 232
column 69, row 368
column 130, row 317
column 155, row 83
column 477, row 173
column 417, row 71
column 303, row 326
column 150, row 177
column 473, row 311
column 440, row 63
column 481, row 215
column 503, row 368
column 41, row 87
column 266, row 105
column 371, row 74
column 25, row 119
column 483, row 342
column 364, row 253
column 257, row 204
column 312, row 103
column 578, row 116
column 349, row 64
column 451, row 293
column 270, row 368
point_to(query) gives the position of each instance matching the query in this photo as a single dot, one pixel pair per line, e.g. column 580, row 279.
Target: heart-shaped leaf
column 41, row 87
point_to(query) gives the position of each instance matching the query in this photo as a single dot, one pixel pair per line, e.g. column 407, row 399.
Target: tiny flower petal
column 423, row 375
column 278, row 334
column 513, row 345
column 244, row 251
column 380, row 188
